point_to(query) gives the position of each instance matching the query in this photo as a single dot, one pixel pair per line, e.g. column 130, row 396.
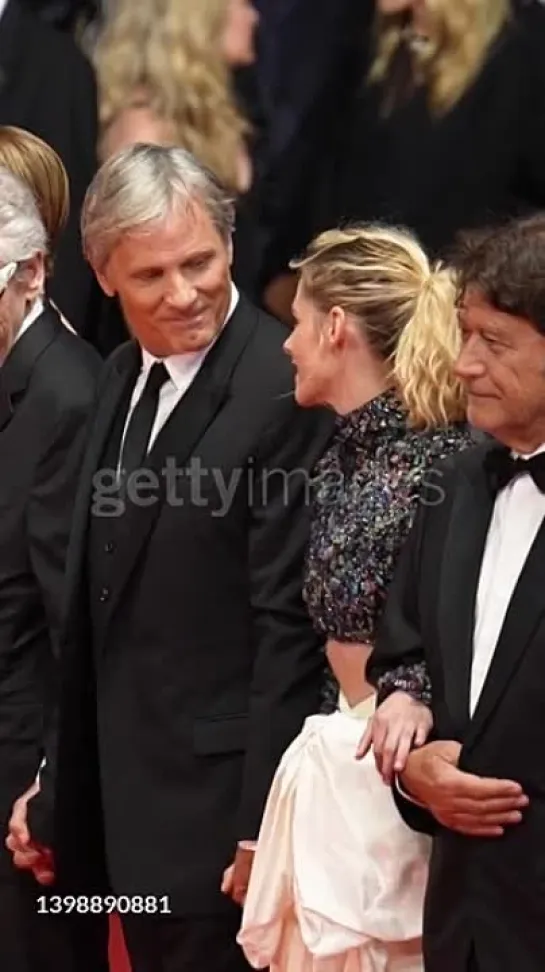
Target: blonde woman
column 443, row 131
column 375, row 339
column 164, row 73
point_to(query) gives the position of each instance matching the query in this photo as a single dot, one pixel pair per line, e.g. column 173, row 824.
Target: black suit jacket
column 47, row 387
column 189, row 660
column 488, row 893
column 48, row 87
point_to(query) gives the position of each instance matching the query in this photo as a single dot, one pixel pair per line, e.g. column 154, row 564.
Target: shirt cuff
column 406, row 796
column 40, row 768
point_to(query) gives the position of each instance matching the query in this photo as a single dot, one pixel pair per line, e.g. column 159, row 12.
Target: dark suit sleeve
column 289, row 660
column 49, row 522
column 50, row 512
column 398, row 650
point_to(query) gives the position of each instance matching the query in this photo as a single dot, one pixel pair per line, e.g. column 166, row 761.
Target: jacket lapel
column 525, row 610
column 460, row 570
column 17, row 369
column 179, row 437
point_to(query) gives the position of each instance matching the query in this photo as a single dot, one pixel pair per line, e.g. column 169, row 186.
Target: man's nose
column 469, row 363
column 181, row 293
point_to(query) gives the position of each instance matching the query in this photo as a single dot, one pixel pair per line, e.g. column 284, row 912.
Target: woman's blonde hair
column 405, row 307
column 40, row 168
column 461, row 34
column 167, row 55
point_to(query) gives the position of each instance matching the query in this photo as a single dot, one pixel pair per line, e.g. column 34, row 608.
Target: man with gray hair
column 47, row 387
column 189, row 663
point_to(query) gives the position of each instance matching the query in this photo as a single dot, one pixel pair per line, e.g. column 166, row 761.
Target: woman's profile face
column 308, row 349
column 239, row 32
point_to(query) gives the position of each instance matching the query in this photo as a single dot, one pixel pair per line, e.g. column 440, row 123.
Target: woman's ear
column 335, row 328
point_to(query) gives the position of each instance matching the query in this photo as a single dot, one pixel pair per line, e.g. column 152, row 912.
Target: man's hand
column 27, row 854
column 397, row 725
column 472, row 805
column 236, row 877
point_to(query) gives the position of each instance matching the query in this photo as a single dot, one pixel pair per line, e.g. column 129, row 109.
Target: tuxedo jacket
column 189, row 661
column 47, row 387
column 48, row 87
column 486, row 894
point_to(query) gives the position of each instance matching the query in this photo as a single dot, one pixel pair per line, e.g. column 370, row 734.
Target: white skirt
column 338, row 879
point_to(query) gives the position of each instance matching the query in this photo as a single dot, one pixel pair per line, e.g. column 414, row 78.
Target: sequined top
column 365, row 492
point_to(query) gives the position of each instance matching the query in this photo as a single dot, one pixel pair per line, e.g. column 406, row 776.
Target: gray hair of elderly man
column 142, row 185
column 22, row 233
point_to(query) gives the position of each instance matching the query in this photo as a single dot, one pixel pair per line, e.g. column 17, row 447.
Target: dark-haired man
column 469, row 599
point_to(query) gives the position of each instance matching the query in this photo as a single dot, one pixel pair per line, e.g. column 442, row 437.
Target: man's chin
column 481, row 414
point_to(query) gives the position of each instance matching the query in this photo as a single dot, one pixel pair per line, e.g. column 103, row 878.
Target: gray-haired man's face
column 16, row 299
column 173, row 281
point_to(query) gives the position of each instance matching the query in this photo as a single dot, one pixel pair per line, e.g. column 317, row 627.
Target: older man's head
column 502, row 316
column 23, row 248
column 157, row 230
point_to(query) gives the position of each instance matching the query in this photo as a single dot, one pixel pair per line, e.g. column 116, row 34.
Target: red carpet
column 118, row 955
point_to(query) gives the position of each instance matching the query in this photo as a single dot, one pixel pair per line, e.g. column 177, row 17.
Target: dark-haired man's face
column 502, row 365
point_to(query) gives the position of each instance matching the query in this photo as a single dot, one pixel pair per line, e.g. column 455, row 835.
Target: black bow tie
column 500, row 468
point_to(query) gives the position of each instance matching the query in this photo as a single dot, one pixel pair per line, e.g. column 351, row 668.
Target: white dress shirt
column 517, row 516
column 182, row 370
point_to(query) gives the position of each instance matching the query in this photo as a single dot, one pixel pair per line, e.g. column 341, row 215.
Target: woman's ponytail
column 426, row 352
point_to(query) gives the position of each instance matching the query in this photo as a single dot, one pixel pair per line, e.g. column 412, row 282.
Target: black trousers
column 34, row 940
column 165, row 944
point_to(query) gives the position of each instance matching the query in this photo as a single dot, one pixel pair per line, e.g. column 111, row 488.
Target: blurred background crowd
column 313, row 113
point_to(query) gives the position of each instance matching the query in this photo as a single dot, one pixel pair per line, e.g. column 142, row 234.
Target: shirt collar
column 34, row 313
column 529, row 455
column 179, row 366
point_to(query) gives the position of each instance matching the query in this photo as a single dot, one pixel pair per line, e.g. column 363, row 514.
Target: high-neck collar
column 381, row 418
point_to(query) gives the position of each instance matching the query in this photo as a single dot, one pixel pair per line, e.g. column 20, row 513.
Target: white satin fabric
column 338, row 879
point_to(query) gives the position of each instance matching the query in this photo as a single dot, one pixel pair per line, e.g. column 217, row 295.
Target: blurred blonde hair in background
column 461, row 34
column 167, row 55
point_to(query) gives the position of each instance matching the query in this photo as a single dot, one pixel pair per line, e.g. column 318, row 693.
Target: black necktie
column 500, row 468
column 137, row 436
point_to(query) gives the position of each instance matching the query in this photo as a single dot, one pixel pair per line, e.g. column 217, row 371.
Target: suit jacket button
column 109, row 547
column 104, row 595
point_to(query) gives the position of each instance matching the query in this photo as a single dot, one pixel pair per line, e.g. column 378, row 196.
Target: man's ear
column 34, row 273
column 105, row 280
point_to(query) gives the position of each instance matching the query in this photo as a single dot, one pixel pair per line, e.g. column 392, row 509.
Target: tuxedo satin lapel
column 525, row 610
column 116, row 391
column 460, row 569
column 178, row 438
